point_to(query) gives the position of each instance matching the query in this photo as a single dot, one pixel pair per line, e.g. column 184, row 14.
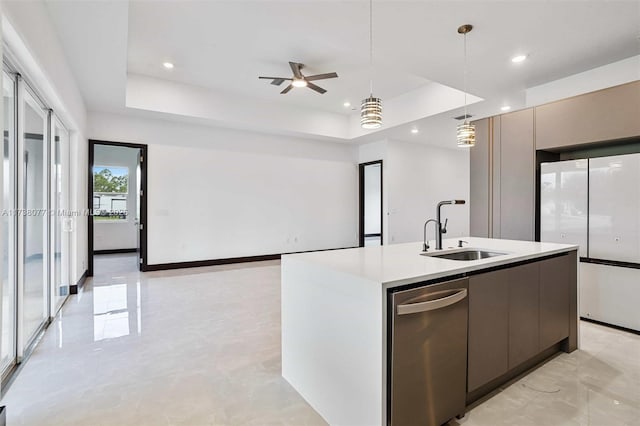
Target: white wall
column 419, row 177
column 415, row 178
column 218, row 193
column 109, row 234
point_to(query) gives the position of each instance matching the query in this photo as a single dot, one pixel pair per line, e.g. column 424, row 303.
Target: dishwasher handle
column 431, row 305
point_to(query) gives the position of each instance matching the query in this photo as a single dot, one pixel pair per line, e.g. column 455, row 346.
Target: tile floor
column 202, row 346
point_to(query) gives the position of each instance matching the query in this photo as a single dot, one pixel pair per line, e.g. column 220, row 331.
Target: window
column 110, row 190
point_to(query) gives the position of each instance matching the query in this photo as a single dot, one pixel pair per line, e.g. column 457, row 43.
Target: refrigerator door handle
column 431, row 305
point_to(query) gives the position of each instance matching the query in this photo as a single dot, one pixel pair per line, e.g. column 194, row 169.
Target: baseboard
column 606, row 324
column 115, row 251
column 226, row 261
column 73, row 289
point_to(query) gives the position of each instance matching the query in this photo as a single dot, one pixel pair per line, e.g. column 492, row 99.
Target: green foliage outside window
column 110, row 180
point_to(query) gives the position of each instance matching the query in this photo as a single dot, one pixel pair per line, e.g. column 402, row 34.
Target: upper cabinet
column 604, row 115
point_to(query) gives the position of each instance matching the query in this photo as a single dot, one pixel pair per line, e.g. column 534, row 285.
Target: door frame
column 361, row 234
column 142, row 198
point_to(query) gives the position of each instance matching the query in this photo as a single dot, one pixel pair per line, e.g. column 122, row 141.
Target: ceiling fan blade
column 316, row 88
column 286, row 89
column 321, row 76
column 296, row 67
column 276, row 81
column 274, row 78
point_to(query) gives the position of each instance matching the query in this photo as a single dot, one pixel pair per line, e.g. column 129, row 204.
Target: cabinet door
column 554, row 299
column 593, row 117
column 479, row 174
column 563, row 203
column 523, row 313
column 614, row 208
column 517, row 176
column 488, row 327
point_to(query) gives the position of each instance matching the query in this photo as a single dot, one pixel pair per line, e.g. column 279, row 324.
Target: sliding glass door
column 33, row 202
column 35, row 233
column 60, row 227
column 8, row 222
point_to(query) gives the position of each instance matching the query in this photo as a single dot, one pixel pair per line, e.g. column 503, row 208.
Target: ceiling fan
column 299, row 80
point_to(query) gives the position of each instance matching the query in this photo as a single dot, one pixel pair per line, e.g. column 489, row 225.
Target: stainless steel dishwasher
column 428, row 354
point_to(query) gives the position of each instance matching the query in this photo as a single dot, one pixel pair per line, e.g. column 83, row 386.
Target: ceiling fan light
column 371, row 113
column 299, row 82
column 466, row 134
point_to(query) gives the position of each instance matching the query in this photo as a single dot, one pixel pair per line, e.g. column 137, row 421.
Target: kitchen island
column 338, row 320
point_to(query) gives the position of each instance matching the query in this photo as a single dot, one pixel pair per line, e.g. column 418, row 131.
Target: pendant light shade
column 466, row 135
column 371, row 107
column 466, row 132
column 371, row 113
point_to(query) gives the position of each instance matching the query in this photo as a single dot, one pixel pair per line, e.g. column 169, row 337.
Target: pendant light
column 371, row 108
column 466, row 131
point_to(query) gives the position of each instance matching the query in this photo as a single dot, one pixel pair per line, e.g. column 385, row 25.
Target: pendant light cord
column 371, row 48
column 465, row 77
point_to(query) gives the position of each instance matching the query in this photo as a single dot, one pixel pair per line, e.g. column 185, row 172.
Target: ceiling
column 222, row 47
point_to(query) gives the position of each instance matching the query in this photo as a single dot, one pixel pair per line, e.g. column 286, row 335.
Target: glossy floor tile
column 598, row 385
column 202, row 346
column 192, row 347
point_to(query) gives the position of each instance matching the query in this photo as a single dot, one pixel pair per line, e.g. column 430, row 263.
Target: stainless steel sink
column 470, row 254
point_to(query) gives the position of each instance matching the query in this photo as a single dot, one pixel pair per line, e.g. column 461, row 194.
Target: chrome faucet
column 442, row 229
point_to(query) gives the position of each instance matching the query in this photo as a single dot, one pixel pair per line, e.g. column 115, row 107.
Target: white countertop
column 399, row 264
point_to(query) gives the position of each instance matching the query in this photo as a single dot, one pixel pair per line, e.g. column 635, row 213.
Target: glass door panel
column 59, row 224
column 8, row 223
column 34, row 218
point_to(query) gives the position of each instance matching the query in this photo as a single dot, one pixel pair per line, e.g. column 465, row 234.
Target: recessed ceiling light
column 414, row 130
column 505, row 108
column 167, row 65
column 347, row 104
column 518, row 58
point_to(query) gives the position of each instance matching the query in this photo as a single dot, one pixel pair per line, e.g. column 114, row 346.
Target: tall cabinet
column 503, row 177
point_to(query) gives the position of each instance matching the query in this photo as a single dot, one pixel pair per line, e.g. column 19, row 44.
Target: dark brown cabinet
column 523, row 313
column 488, row 327
column 517, row 313
column 554, row 299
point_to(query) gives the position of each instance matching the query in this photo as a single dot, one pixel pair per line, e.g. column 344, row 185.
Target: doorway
column 371, row 214
column 117, row 195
